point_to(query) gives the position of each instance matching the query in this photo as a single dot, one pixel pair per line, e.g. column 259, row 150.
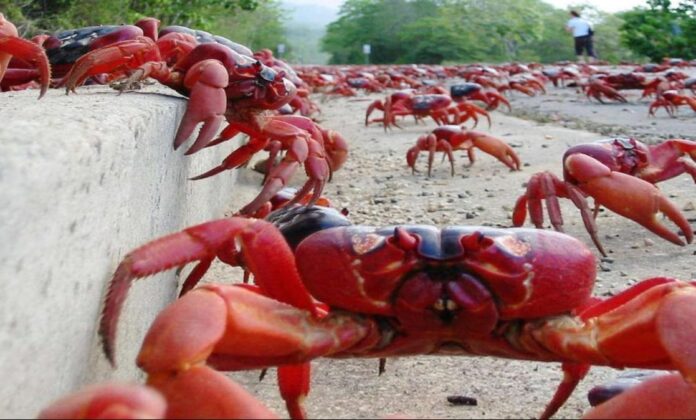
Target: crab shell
column 463, row 279
column 620, row 154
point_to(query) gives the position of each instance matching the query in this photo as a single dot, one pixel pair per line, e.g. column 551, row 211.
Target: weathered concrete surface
column 83, row 180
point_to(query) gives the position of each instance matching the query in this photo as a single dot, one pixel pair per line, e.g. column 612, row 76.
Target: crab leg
column 317, row 169
column 433, row 145
column 661, row 102
column 263, row 249
column 547, row 186
column 377, row 104
column 11, row 45
column 471, row 110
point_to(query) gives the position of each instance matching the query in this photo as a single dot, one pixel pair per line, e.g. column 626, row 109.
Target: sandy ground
column 379, row 189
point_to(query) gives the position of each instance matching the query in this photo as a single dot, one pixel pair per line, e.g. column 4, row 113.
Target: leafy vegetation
column 260, row 28
column 436, row 31
column 398, row 31
column 661, row 30
column 51, row 15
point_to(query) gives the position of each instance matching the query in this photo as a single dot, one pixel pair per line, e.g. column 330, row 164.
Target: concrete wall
column 83, row 180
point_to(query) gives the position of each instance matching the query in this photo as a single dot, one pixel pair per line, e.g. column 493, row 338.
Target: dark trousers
column 584, row 43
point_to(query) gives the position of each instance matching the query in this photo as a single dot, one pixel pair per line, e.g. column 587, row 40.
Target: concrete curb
column 83, row 180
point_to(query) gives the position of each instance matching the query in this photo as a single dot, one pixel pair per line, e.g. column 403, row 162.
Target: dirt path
column 379, row 189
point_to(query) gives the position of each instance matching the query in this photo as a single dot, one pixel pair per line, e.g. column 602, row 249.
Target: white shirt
column 579, row 26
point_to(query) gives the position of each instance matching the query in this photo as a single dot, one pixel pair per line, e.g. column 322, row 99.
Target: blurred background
column 397, row 31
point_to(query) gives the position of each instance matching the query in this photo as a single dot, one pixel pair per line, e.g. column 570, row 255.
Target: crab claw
column 108, row 401
column 628, row 196
column 377, row 104
column 206, row 81
column 198, row 392
column 670, row 395
column 234, row 327
column 496, row 148
column 662, row 397
column 120, row 56
column 202, row 392
column 336, row 148
column 13, row 46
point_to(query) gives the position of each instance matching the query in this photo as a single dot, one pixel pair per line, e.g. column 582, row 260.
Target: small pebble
column 462, row 400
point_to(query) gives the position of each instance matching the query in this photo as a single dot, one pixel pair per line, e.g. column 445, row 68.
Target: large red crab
column 328, row 289
column 223, row 84
column 620, row 175
column 31, row 53
column 448, row 138
column 404, row 103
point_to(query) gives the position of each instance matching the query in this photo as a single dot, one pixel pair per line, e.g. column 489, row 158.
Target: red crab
column 527, row 84
column 448, row 138
column 404, row 103
column 671, row 100
column 622, row 81
column 33, row 54
column 559, row 76
column 475, row 92
column 620, row 175
column 341, row 291
column 599, row 89
column 223, row 84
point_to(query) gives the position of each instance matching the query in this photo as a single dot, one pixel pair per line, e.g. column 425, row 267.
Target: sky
column 607, row 6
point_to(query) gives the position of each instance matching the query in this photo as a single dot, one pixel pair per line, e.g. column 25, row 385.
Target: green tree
column 660, row 30
column 376, row 22
column 554, row 43
column 53, row 15
column 260, row 28
column 437, row 39
column 432, row 31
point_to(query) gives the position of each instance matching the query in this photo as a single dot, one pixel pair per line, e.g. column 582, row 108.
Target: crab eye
column 404, row 240
column 476, row 242
column 267, row 74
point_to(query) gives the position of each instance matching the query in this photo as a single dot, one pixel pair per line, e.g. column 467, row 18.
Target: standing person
column 582, row 33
